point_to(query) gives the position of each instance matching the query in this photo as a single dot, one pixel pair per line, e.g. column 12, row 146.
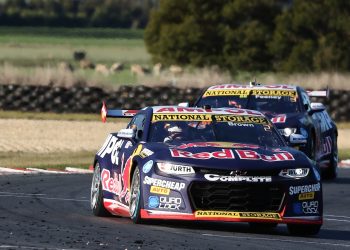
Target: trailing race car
column 290, row 109
column 222, row 164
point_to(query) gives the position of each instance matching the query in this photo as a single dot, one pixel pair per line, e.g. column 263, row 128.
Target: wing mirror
column 316, row 107
column 297, row 139
column 127, row 133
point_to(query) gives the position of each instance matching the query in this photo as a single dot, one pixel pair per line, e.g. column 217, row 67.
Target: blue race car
column 197, row 164
column 290, row 109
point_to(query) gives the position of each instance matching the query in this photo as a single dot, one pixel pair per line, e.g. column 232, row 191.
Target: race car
column 197, row 164
column 290, row 109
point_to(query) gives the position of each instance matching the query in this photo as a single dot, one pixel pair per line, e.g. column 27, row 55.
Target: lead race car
column 198, row 164
column 290, row 109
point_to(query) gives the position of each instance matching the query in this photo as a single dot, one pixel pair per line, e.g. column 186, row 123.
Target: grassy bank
column 59, row 160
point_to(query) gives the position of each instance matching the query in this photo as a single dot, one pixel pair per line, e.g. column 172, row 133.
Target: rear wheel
column 96, row 197
column 332, row 171
column 135, row 197
column 299, row 229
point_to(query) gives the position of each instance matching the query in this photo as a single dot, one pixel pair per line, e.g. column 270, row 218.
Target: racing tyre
column 332, row 171
column 299, row 229
column 96, row 197
column 135, row 197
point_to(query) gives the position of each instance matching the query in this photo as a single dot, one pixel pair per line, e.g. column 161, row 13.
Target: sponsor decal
column 114, row 185
column 147, row 167
column 159, row 190
column 306, row 207
column 164, row 184
column 217, row 144
column 222, row 154
column 193, row 111
column 279, row 119
column 253, row 155
column 153, row 201
column 306, row 196
column 238, row 215
column 172, row 203
column 242, row 93
column 181, row 117
column 146, row 153
column 274, row 92
column 174, row 169
column 327, row 146
column 241, row 119
column 304, row 189
column 111, row 146
column 224, row 178
column 235, row 86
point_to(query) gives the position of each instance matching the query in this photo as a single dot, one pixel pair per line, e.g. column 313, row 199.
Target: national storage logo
column 236, row 215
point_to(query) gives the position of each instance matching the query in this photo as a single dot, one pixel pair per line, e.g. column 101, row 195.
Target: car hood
column 223, row 155
column 287, row 120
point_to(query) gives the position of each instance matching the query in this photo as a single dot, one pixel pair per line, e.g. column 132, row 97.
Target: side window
column 138, row 123
column 306, row 100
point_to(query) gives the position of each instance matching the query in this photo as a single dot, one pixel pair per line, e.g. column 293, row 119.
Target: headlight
column 287, row 131
column 295, row 172
column 175, row 169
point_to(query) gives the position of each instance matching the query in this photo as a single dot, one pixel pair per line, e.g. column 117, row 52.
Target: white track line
column 280, row 240
column 337, row 216
column 79, row 170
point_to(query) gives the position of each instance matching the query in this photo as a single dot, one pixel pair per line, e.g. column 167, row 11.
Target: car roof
column 251, row 86
column 195, row 110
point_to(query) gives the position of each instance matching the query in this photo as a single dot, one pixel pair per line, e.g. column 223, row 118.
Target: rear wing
column 318, row 93
column 116, row 113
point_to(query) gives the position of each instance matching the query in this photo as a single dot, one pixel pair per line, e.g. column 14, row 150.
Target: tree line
column 254, row 35
column 76, row 13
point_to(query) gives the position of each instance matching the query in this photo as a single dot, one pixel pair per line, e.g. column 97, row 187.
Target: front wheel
column 96, row 197
column 332, row 171
column 301, row 230
column 135, row 197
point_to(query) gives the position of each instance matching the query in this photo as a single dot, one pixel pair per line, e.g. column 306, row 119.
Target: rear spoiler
column 116, row 113
column 318, row 93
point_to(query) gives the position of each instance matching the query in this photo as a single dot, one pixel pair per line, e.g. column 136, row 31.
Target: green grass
column 344, row 154
column 37, row 46
column 57, row 160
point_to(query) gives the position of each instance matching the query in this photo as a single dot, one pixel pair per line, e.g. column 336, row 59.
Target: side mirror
column 316, row 107
column 184, row 104
column 127, row 133
column 297, row 139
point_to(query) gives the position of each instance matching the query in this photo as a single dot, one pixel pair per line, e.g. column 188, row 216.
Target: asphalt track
column 51, row 211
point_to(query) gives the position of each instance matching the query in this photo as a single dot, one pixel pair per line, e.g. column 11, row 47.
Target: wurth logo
column 222, row 154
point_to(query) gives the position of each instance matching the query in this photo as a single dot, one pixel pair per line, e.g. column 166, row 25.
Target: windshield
column 261, row 100
column 222, row 128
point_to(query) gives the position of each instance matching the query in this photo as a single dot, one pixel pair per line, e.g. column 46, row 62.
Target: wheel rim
column 95, row 186
column 135, row 192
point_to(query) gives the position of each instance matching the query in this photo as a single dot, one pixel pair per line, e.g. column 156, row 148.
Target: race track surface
column 52, row 211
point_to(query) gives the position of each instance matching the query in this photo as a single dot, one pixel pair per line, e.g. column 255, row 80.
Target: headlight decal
column 175, row 169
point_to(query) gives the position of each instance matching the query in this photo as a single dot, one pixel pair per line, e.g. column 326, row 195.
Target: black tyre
column 332, row 171
column 96, row 197
column 311, row 148
column 302, row 230
column 135, row 197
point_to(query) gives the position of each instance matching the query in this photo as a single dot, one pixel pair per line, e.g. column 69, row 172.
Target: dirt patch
column 21, row 135
column 40, row 136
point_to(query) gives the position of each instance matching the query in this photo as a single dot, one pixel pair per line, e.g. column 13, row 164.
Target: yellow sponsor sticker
column 307, row 196
column 237, row 215
column 269, row 92
column 181, row 117
column 159, row 190
column 242, row 93
column 241, row 119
